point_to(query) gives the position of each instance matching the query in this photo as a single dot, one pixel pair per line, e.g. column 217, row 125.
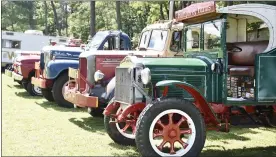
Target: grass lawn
column 31, row 126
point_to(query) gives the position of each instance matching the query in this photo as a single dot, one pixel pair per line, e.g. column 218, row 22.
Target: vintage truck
column 19, row 53
column 23, row 68
column 97, row 68
column 15, row 42
column 23, row 71
column 52, row 71
column 165, row 105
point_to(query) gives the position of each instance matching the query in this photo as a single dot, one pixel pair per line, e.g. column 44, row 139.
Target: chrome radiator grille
column 124, row 90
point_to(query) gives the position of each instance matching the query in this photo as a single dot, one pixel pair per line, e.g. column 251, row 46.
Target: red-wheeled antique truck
column 97, row 68
column 164, row 106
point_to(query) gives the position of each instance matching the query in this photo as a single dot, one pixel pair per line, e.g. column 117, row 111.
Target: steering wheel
column 234, row 49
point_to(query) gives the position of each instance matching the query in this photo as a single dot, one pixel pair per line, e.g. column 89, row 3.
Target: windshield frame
column 221, row 51
column 99, row 37
column 150, row 36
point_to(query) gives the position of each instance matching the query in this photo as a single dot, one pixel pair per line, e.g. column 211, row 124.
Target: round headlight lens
column 98, row 75
column 146, row 75
column 213, row 67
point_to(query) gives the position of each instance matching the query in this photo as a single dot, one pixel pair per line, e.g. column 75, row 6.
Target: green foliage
column 75, row 20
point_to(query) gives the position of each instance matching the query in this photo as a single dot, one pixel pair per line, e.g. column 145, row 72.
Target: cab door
column 266, row 77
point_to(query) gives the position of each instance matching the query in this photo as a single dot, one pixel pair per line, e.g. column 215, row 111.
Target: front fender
column 26, row 69
column 174, row 82
column 54, row 68
column 200, row 100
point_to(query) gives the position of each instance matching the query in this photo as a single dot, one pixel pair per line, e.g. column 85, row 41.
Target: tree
column 29, row 9
column 161, row 11
column 66, row 19
column 92, row 19
column 46, row 17
column 56, row 18
column 118, row 13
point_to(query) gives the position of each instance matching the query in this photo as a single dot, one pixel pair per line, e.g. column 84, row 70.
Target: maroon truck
column 23, row 71
column 93, row 84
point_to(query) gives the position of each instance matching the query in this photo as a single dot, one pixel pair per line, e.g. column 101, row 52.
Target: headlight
column 146, row 75
column 213, row 67
column 98, row 75
column 19, row 70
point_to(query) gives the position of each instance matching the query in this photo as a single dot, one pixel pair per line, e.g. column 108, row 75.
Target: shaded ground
column 31, row 126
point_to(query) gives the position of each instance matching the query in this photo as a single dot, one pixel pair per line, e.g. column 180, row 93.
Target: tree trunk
column 56, row 18
column 12, row 21
column 31, row 15
column 118, row 13
column 167, row 9
column 46, row 18
column 66, row 19
column 174, row 8
column 161, row 11
column 92, row 19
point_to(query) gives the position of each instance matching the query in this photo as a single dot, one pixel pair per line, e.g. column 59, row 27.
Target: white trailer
column 30, row 40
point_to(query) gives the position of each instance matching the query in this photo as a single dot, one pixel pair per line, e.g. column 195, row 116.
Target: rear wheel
column 47, row 94
column 170, row 127
column 33, row 90
column 58, row 90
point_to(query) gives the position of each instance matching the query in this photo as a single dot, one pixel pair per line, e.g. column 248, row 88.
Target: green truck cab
column 165, row 105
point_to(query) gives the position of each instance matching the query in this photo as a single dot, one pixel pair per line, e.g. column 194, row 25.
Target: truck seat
column 241, row 62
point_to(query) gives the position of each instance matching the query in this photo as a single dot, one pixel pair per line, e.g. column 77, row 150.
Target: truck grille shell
column 124, row 90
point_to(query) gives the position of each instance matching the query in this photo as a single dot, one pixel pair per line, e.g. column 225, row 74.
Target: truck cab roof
column 62, row 48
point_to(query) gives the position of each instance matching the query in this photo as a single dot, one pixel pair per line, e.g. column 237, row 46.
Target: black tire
column 114, row 134
column 47, row 94
column 57, row 91
column 95, row 112
column 25, row 84
column 152, row 110
column 19, row 82
column 30, row 89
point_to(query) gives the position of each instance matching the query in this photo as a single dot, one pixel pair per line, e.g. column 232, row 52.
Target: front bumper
column 8, row 72
column 17, row 77
column 81, row 100
column 40, row 82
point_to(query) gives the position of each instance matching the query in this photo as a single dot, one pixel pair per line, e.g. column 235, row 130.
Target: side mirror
column 117, row 43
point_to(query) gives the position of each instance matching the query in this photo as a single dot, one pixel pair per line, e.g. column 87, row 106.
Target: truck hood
column 146, row 53
column 175, row 62
column 27, row 52
column 165, row 63
column 27, row 58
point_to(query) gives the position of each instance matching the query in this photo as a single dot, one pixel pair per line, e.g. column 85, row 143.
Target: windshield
column 155, row 40
column 204, row 39
column 96, row 41
column 212, row 37
column 158, row 40
column 144, row 39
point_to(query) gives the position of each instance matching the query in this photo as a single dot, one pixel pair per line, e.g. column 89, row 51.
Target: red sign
column 195, row 10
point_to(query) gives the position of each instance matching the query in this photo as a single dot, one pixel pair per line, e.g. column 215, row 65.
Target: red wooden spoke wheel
column 128, row 127
column 170, row 127
column 174, row 129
